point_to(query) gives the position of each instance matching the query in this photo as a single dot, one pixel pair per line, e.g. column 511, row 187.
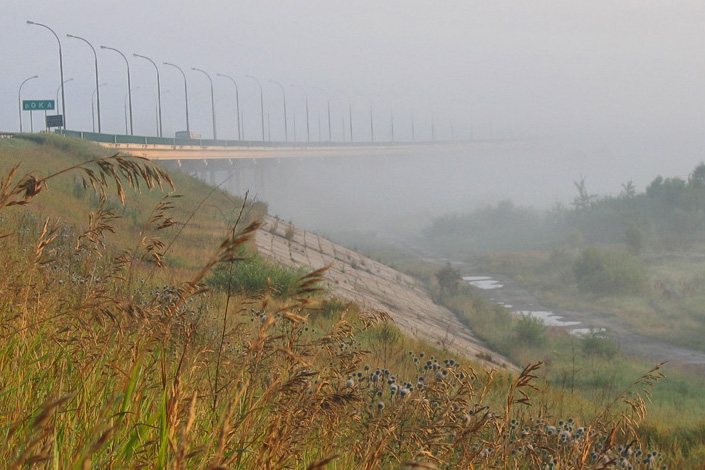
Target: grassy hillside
column 114, row 354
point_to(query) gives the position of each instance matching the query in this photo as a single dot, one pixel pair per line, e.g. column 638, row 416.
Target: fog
column 609, row 90
column 403, row 193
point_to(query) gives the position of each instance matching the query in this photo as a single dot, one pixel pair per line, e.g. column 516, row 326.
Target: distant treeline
column 668, row 214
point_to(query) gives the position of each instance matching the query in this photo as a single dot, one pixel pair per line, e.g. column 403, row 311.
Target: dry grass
column 101, row 367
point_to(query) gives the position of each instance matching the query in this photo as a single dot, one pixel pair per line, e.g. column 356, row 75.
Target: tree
column 584, row 199
column 697, row 177
column 628, row 190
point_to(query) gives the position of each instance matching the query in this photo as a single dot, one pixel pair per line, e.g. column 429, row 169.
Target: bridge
column 173, row 149
column 250, row 164
column 332, row 183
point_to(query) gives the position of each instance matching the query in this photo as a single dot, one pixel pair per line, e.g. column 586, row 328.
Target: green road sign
column 55, row 120
column 37, row 105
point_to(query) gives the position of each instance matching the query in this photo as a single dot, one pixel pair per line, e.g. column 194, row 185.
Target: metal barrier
column 145, row 140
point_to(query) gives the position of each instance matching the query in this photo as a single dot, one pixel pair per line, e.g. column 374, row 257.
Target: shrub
column 448, row 279
column 597, row 343
column 604, row 272
column 529, row 330
column 634, row 238
column 332, row 308
column 254, row 274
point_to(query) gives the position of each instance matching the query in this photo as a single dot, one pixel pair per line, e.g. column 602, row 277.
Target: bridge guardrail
column 147, row 140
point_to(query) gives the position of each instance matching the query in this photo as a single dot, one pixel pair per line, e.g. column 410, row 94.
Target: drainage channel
column 547, row 317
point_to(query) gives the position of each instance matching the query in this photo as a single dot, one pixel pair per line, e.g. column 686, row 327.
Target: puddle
column 588, row 331
column 483, row 282
column 549, row 318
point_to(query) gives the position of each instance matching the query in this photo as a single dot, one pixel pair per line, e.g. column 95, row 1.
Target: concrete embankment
column 373, row 286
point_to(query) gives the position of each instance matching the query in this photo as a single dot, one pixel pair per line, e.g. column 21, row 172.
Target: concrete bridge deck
column 189, row 152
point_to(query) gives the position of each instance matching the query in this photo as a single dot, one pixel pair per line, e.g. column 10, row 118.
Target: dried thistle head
column 30, row 186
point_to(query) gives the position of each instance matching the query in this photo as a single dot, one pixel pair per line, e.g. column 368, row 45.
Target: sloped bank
column 374, row 286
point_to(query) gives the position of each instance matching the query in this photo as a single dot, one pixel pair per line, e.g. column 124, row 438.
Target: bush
column 254, row 274
column 634, row 238
column 529, row 330
column 604, row 272
column 448, row 279
column 597, row 343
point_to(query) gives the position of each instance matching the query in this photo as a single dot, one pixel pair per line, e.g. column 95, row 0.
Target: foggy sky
column 622, row 78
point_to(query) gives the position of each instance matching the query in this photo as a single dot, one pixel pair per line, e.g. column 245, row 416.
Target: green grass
column 575, row 368
column 113, row 359
column 670, row 308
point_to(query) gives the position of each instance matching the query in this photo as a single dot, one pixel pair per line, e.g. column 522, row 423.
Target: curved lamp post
column 215, row 134
column 261, row 102
column 97, row 86
column 413, row 133
column 129, row 88
column 159, row 92
column 237, row 102
column 328, row 102
column 19, row 97
column 188, row 128
column 372, row 125
column 286, row 130
column 92, row 110
column 349, row 112
column 308, row 134
column 61, row 88
column 61, row 67
column 391, row 124
column 126, row 96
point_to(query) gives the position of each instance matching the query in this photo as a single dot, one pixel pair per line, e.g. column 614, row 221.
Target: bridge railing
column 147, row 140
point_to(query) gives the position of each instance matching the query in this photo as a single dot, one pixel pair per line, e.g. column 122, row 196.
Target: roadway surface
column 184, row 152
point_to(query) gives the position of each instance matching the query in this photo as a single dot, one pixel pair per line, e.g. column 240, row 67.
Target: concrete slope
column 373, row 286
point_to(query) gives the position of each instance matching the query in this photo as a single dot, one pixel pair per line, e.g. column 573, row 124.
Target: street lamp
column 129, row 88
column 215, row 134
column 61, row 88
column 92, row 110
column 328, row 101
column 372, row 126
column 61, row 68
column 159, row 92
column 128, row 94
column 237, row 102
column 391, row 125
column 286, row 131
column 261, row 102
column 308, row 135
column 97, row 86
column 19, row 97
column 349, row 111
column 188, row 128
column 413, row 134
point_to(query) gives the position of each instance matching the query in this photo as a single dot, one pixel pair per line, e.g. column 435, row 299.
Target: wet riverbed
column 488, row 283
column 503, row 291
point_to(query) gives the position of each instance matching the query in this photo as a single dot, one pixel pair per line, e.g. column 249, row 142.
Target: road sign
column 37, row 105
column 55, row 120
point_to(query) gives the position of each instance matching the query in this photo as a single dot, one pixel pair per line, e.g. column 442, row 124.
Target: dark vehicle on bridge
column 188, row 135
